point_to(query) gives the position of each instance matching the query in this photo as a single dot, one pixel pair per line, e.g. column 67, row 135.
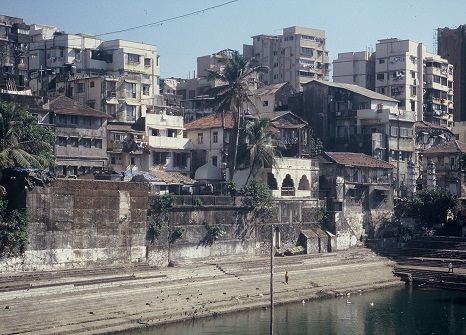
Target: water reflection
column 389, row 311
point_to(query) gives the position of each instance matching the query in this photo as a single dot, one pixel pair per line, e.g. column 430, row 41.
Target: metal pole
column 271, row 276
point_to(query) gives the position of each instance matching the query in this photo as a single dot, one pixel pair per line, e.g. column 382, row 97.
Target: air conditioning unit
column 337, row 113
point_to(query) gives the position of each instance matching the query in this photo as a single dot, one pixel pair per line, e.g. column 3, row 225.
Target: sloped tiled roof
column 446, row 148
column 64, row 105
column 284, row 119
column 124, row 127
column 269, row 89
column 429, row 125
column 210, row 121
column 356, row 159
column 355, row 89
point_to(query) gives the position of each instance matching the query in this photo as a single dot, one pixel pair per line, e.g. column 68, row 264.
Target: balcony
column 163, row 142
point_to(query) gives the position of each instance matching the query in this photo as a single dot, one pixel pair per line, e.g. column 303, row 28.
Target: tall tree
column 259, row 146
column 233, row 94
column 23, row 143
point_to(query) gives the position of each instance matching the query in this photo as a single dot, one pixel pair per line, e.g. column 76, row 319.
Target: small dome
column 208, row 172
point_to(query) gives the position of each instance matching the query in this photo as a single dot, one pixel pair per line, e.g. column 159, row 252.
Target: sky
column 187, row 29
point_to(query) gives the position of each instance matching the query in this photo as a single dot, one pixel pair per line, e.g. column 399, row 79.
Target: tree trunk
column 233, row 147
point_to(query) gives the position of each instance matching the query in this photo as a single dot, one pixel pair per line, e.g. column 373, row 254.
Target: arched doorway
column 288, row 187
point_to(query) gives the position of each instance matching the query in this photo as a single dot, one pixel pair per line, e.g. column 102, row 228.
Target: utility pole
column 272, row 235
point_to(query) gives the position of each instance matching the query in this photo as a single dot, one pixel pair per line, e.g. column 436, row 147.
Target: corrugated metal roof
column 354, row 88
column 269, row 89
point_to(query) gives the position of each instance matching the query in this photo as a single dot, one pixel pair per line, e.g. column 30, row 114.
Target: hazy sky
column 349, row 25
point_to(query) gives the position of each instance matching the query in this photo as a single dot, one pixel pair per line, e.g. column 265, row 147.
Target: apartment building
column 297, row 56
column 451, row 45
column 117, row 77
column 356, row 68
column 14, row 39
column 422, row 82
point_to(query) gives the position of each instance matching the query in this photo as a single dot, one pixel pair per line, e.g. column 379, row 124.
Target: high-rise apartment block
column 422, row 82
column 451, row 45
column 117, row 77
column 14, row 39
column 297, row 56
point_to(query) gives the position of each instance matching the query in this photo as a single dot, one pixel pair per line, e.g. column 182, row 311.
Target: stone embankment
column 424, row 262
column 103, row 300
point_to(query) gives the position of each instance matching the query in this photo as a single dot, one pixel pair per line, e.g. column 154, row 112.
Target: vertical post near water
column 272, row 240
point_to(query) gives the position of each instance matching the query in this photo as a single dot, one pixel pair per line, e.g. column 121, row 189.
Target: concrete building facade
column 117, row 77
column 14, row 42
column 422, row 82
column 297, row 56
column 451, row 45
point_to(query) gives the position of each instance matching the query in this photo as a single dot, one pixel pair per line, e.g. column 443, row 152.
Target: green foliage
column 198, row 202
column 177, row 233
column 23, row 143
column 429, row 206
column 315, row 144
column 323, row 217
column 259, row 146
column 259, row 198
column 13, row 230
column 234, row 92
column 213, row 231
column 232, row 189
column 160, row 215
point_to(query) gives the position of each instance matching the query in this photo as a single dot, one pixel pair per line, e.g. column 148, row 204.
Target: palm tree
column 23, row 143
column 259, row 148
column 233, row 94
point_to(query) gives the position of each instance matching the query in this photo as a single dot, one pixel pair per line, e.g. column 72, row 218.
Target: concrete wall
column 79, row 223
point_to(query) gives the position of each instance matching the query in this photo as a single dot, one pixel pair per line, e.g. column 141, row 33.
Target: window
column 73, row 141
column 381, row 61
column 394, row 131
column 215, row 137
column 180, row 160
column 80, row 87
column 98, row 143
column 200, row 138
column 73, row 119
column 130, row 90
column 61, row 141
column 214, row 160
column 118, row 137
column 86, row 120
column 115, row 159
column 130, row 113
column 159, row 158
column 91, row 84
column 155, row 132
column 86, row 142
column 172, row 132
column 111, row 109
column 62, row 119
column 145, row 89
column 133, row 58
column 147, row 62
column 265, row 103
column 380, row 76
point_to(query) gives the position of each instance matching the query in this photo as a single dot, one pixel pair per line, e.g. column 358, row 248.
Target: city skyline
column 183, row 31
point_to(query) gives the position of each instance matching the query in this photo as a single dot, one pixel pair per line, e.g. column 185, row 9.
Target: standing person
column 450, row 267
column 286, row 277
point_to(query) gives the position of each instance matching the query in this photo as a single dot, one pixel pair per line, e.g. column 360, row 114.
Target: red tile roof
column 356, row 159
column 65, row 105
column 210, row 121
column 429, row 125
column 447, row 148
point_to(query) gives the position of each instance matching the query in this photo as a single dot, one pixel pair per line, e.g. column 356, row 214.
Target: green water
column 401, row 310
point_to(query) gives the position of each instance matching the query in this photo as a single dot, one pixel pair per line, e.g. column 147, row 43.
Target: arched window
column 304, row 183
column 288, row 186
